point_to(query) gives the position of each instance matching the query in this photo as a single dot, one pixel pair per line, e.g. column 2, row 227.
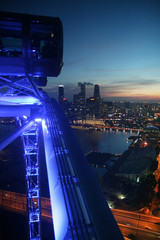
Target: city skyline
column 111, row 43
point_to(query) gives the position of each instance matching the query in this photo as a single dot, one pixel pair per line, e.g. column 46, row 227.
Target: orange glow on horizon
column 154, row 97
column 135, row 91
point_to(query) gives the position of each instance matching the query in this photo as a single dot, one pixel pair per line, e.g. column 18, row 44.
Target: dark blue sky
column 115, row 43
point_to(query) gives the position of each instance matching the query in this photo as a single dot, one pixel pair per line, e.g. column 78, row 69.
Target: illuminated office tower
column 77, row 102
column 97, row 102
column 83, row 99
column 90, row 103
column 60, row 93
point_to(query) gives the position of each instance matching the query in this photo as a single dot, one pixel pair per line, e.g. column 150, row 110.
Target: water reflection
column 108, row 142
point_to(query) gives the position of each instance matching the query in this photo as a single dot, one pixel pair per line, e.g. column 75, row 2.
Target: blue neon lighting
column 59, row 213
column 44, row 126
column 19, row 100
column 38, row 119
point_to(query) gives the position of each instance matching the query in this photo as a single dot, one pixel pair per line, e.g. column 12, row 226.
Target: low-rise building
column 137, row 163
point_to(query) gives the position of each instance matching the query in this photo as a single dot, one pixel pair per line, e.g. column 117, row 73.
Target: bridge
column 31, row 50
column 124, row 129
column 144, row 226
column 108, row 128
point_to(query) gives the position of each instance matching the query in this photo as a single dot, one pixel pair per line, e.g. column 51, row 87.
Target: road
column 143, row 226
column 17, row 202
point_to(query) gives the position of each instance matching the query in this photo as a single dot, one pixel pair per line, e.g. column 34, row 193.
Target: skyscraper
column 96, row 91
column 83, row 90
column 97, row 102
column 77, row 102
column 60, row 93
column 83, row 95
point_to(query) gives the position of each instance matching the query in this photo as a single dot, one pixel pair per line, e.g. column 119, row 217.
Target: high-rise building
column 83, row 94
column 83, row 90
column 77, row 102
column 97, row 102
column 60, row 93
column 90, row 107
column 96, row 91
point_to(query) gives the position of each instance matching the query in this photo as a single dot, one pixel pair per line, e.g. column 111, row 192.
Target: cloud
column 86, row 83
column 136, row 82
column 69, row 63
column 133, row 99
column 133, row 88
column 151, row 68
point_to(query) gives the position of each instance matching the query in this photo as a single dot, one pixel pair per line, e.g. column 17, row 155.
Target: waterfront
column 106, row 141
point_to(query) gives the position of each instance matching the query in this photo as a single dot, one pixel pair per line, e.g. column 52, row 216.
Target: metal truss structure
column 19, row 85
column 79, row 209
column 31, row 155
column 19, row 94
column 79, row 225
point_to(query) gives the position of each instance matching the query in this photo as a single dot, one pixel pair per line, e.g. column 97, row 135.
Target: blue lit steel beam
column 30, row 139
column 14, row 86
column 59, row 211
column 70, row 216
column 101, row 217
column 18, row 100
column 12, row 136
column 15, row 111
column 79, row 208
column 34, row 87
column 14, row 80
column 18, row 106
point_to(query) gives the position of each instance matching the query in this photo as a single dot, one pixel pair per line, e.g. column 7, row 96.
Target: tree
column 158, row 193
column 132, row 236
column 154, row 165
column 157, row 150
column 145, row 191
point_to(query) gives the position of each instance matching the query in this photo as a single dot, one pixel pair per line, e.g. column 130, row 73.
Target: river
column 108, row 142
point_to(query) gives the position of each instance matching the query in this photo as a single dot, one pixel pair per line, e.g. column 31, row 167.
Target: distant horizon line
column 131, row 99
column 119, row 99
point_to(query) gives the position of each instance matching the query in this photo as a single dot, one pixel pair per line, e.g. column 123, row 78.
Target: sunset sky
column 114, row 43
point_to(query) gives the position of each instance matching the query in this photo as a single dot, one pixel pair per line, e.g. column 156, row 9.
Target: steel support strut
column 11, row 137
column 31, row 155
column 70, row 216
